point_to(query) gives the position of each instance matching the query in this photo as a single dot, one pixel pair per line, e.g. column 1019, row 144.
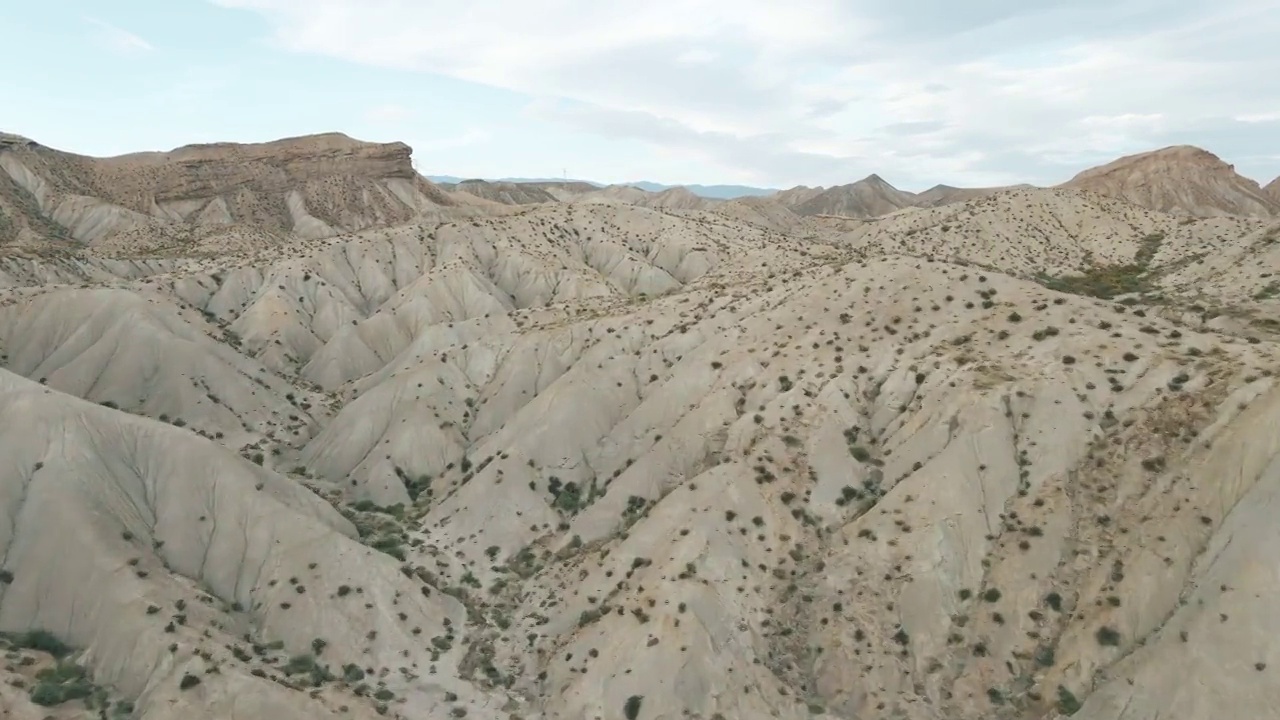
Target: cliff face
column 313, row 186
column 1181, row 179
column 202, row 171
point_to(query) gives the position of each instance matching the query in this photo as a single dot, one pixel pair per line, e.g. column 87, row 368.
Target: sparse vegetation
column 460, row 458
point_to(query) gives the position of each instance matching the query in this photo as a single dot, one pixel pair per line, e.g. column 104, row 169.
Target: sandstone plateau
column 288, row 431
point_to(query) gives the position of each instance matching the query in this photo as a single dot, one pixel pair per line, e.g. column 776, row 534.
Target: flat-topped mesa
column 1179, row 179
column 195, row 171
column 311, row 186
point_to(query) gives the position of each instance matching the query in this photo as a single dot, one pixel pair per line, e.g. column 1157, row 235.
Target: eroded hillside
column 1010, row 457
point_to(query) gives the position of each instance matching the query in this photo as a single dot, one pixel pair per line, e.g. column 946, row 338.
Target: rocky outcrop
column 196, row 172
column 314, row 186
column 1181, row 179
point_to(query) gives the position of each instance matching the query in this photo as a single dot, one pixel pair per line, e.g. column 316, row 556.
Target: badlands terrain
column 288, row 431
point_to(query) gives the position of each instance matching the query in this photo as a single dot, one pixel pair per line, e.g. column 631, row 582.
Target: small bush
column 1045, row 656
column 62, row 683
column 1107, row 635
column 631, row 709
column 42, row 641
column 1067, row 702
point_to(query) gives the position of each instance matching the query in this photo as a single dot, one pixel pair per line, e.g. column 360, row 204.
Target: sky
column 755, row 92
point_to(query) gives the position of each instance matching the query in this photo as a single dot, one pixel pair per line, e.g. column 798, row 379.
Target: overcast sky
column 760, row 92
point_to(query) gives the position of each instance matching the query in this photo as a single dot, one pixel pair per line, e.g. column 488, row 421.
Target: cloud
column 826, row 91
column 118, row 39
column 424, row 151
column 389, row 113
column 473, row 136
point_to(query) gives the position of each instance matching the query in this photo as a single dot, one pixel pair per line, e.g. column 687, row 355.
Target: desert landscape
column 289, row 431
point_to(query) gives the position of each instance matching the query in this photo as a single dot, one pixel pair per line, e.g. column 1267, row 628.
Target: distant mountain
column 1179, row 179
column 946, row 194
column 793, row 197
column 715, row 192
column 507, row 193
column 454, row 180
column 870, row 197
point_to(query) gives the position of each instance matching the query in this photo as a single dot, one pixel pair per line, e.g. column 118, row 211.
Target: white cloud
column 389, row 113
column 424, row 152
column 117, row 39
column 1262, row 117
column 474, row 136
column 826, row 91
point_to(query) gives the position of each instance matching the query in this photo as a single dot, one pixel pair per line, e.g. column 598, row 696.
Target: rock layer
column 314, row 186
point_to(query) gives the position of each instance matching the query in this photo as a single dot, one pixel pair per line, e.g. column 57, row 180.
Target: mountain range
column 1149, row 179
column 715, row 192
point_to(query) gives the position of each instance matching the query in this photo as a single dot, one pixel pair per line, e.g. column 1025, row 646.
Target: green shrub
column 1067, row 702
column 43, row 641
column 62, row 683
column 1107, row 635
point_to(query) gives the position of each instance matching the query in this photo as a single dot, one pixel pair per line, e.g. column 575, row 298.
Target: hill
column 507, row 193
column 1180, row 179
column 947, row 194
column 714, row 192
